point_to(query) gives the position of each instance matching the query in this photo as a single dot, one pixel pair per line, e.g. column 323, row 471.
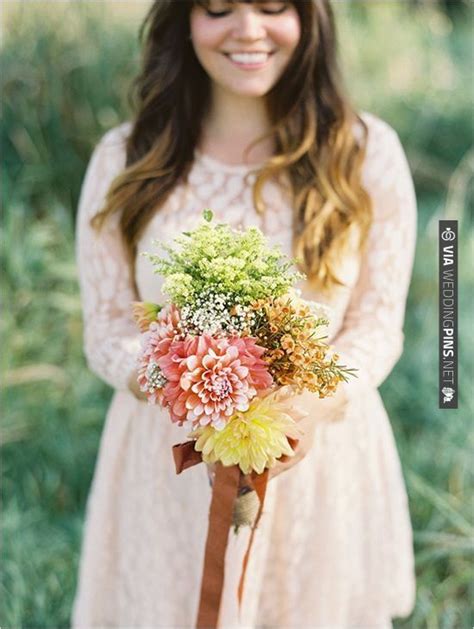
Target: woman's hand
column 327, row 410
column 135, row 387
column 211, row 472
column 300, row 447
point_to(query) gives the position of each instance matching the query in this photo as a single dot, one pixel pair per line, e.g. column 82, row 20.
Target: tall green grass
column 64, row 84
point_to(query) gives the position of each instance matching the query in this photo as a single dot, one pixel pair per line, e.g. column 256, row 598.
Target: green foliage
column 64, row 80
column 410, row 67
column 63, row 83
column 216, row 257
column 435, row 445
column 52, row 420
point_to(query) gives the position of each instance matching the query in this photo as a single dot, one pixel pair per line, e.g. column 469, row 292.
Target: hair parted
column 312, row 124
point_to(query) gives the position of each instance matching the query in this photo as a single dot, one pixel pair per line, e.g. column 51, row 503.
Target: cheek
column 204, row 34
column 287, row 32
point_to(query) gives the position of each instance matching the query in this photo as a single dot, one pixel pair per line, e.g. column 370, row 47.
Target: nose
column 249, row 25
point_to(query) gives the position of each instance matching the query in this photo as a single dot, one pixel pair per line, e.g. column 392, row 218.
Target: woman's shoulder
column 108, row 157
column 113, row 141
column 118, row 133
column 379, row 131
column 384, row 151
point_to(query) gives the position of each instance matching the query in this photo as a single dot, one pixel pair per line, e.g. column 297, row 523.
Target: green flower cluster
column 215, row 256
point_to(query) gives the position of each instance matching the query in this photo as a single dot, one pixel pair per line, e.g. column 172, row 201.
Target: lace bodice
column 367, row 314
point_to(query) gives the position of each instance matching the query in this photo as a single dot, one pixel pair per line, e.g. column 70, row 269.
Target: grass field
column 64, row 84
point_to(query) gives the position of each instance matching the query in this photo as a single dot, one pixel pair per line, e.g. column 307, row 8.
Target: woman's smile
column 249, row 61
column 249, row 37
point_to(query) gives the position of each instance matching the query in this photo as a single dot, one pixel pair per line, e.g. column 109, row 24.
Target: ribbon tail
column 224, row 493
column 259, row 482
column 185, row 456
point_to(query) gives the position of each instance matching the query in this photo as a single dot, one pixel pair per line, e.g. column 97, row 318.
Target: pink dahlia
column 155, row 344
column 209, row 379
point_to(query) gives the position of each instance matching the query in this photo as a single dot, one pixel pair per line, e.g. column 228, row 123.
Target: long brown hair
column 312, row 124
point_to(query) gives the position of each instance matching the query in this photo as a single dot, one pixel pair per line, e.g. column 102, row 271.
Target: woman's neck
column 232, row 124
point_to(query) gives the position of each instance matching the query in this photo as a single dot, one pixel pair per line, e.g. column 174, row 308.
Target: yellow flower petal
column 253, row 439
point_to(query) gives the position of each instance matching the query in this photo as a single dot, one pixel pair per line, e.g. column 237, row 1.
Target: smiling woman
column 258, row 38
column 250, row 119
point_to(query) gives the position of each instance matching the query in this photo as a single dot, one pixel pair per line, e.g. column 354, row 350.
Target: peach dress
column 334, row 546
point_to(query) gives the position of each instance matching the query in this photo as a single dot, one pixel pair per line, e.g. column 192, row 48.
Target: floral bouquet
column 229, row 352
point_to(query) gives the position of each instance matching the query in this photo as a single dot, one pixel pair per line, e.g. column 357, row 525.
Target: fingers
column 134, row 387
column 211, row 472
column 294, row 443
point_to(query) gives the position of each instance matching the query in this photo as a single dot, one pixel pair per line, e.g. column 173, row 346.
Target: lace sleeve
column 111, row 340
column 371, row 337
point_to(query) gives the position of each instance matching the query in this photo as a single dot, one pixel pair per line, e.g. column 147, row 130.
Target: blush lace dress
column 334, row 545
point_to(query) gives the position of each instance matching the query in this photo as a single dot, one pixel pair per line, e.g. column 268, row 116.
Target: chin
column 249, row 90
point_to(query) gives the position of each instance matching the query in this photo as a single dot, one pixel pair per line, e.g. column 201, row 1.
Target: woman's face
column 245, row 46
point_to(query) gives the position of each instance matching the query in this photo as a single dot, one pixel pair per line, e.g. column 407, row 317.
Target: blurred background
column 66, row 68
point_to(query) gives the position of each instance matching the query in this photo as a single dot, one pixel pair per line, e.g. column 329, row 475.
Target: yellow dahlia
column 253, row 439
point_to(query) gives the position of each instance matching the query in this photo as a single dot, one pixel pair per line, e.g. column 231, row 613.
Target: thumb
column 293, row 444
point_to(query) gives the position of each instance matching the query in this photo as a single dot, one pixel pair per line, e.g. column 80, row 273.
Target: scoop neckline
column 217, row 164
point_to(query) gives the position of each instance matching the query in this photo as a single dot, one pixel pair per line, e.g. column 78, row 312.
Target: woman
column 331, row 186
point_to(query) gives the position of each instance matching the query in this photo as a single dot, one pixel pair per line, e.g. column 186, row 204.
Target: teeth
column 254, row 57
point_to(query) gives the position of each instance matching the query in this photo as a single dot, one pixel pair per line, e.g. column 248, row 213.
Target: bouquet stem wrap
column 224, row 493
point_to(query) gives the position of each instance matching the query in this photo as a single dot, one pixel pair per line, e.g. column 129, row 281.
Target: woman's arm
column 111, row 339
column 371, row 337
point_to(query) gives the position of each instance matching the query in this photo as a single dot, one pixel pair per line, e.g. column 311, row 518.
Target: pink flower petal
column 192, row 362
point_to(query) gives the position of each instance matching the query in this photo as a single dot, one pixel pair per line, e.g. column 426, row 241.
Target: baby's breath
column 217, row 314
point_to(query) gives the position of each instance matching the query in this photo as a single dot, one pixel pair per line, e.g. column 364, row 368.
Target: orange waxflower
column 293, row 332
column 287, row 342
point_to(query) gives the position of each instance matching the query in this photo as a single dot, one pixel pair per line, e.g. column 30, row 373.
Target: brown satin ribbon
column 224, row 492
